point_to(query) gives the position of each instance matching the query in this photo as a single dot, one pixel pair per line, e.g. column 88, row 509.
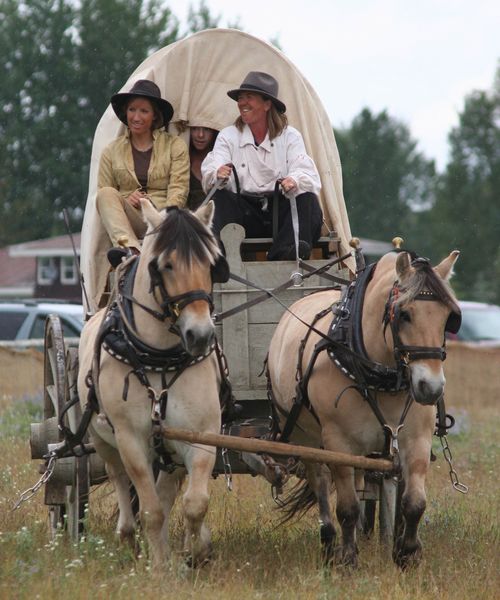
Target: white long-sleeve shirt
column 258, row 167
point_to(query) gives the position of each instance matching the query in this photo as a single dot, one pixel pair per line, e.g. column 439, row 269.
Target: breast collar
column 119, row 336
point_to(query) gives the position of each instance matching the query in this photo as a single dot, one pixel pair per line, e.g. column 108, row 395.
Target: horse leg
column 348, row 512
column 197, row 539
column 407, row 549
column 135, row 458
column 320, row 481
column 125, row 528
column 168, row 486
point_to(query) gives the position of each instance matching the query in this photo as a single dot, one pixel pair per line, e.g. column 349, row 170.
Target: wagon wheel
column 66, row 492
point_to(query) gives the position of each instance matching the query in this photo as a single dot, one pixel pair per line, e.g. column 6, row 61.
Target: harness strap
column 301, row 395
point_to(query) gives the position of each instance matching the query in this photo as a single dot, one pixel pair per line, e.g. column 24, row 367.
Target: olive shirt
column 168, row 173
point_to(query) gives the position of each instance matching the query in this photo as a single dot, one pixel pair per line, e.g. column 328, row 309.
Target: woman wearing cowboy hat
column 144, row 161
column 254, row 155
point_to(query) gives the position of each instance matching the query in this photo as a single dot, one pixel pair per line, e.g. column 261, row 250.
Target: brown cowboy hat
column 145, row 89
column 261, row 83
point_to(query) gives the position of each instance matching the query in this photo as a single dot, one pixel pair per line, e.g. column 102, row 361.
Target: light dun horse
column 401, row 334
column 169, row 299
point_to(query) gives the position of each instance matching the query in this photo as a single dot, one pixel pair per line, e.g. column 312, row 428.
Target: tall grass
column 253, row 558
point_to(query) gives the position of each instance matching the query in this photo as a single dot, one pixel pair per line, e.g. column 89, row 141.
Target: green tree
column 385, row 178
column 467, row 210
column 39, row 105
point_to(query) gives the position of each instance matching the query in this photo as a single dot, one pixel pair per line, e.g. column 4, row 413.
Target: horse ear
column 445, row 268
column 403, row 265
column 206, row 213
column 149, row 213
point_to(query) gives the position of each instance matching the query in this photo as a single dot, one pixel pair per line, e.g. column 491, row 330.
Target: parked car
column 25, row 319
column 480, row 323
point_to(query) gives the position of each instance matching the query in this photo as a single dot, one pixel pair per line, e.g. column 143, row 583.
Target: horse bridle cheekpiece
column 404, row 354
column 172, row 306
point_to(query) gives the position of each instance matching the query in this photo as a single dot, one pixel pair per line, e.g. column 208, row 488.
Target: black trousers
column 249, row 213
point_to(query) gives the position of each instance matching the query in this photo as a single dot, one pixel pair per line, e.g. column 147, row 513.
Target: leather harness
column 345, row 347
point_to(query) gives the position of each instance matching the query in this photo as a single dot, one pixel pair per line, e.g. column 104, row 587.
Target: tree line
column 62, row 60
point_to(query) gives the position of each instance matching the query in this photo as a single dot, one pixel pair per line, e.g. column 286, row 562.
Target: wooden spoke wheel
column 66, row 493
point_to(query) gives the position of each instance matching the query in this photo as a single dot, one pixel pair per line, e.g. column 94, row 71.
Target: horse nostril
column 190, row 338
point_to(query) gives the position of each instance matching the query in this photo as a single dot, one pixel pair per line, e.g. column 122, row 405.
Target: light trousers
column 123, row 223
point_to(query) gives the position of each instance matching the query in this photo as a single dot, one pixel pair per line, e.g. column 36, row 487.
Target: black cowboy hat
column 145, row 89
column 261, row 83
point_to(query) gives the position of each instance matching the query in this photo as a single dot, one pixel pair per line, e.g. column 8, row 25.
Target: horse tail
column 299, row 500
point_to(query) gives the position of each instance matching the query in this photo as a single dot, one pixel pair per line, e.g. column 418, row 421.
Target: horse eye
column 168, row 267
column 405, row 316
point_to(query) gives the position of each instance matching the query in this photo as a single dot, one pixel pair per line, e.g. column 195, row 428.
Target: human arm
column 178, row 180
column 106, row 177
column 302, row 175
column 217, row 163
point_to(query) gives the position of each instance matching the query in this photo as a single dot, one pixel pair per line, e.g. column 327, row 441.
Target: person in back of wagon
column 145, row 161
column 264, row 150
column 201, row 142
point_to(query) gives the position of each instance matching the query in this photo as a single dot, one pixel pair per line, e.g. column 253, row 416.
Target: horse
column 362, row 390
column 148, row 358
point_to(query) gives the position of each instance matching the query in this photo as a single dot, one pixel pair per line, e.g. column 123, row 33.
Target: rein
column 320, row 271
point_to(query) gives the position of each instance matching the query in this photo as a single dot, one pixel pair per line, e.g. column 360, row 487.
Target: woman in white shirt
column 260, row 158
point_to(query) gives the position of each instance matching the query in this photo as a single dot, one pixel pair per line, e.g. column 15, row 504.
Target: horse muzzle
column 197, row 338
column 426, row 386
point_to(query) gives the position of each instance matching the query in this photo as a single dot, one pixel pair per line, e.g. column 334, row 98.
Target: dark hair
column 276, row 121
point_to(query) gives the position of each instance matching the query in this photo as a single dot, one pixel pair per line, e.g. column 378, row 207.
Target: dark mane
column 425, row 279
column 185, row 233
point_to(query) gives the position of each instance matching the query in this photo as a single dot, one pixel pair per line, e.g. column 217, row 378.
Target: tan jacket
column 168, row 174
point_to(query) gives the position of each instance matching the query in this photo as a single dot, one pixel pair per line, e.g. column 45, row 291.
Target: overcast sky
column 416, row 58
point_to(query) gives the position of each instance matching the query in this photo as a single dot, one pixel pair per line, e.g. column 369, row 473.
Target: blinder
column 220, row 270
column 454, row 321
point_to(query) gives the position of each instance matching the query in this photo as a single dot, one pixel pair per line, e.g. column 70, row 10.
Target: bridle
column 171, row 306
column 405, row 354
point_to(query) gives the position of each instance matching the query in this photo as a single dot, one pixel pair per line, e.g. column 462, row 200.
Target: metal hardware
column 47, row 474
column 457, row 485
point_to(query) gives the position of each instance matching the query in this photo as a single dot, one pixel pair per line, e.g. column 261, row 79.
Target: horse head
column 419, row 309
column 183, row 260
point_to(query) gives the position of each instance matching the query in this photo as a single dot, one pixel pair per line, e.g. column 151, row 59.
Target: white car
column 25, row 319
column 480, row 323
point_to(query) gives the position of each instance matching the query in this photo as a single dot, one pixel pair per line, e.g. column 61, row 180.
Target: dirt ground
column 21, row 373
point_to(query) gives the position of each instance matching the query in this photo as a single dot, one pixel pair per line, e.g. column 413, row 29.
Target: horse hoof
column 327, row 536
column 346, row 557
column 407, row 557
column 200, row 560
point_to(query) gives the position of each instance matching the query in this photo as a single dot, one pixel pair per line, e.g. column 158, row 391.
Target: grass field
column 253, row 558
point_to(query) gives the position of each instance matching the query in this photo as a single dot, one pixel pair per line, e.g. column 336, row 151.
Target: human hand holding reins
column 135, row 198
column 225, row 171
column 288, row 185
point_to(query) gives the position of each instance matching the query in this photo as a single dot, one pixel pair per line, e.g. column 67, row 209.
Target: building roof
column 56, row 246
column 17, row 275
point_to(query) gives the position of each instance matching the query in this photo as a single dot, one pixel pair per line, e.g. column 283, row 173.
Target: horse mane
column 423, row 278
column 182, row 231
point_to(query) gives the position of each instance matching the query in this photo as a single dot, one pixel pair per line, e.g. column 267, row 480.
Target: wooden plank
column 265, row 446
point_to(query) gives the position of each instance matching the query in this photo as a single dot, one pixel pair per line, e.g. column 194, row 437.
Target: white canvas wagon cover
column 194, row 74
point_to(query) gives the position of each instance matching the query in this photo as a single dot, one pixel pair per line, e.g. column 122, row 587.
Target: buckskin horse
column 369, row 371
column 149, row 358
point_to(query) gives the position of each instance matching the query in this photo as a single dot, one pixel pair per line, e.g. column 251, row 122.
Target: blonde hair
column 276, row 121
